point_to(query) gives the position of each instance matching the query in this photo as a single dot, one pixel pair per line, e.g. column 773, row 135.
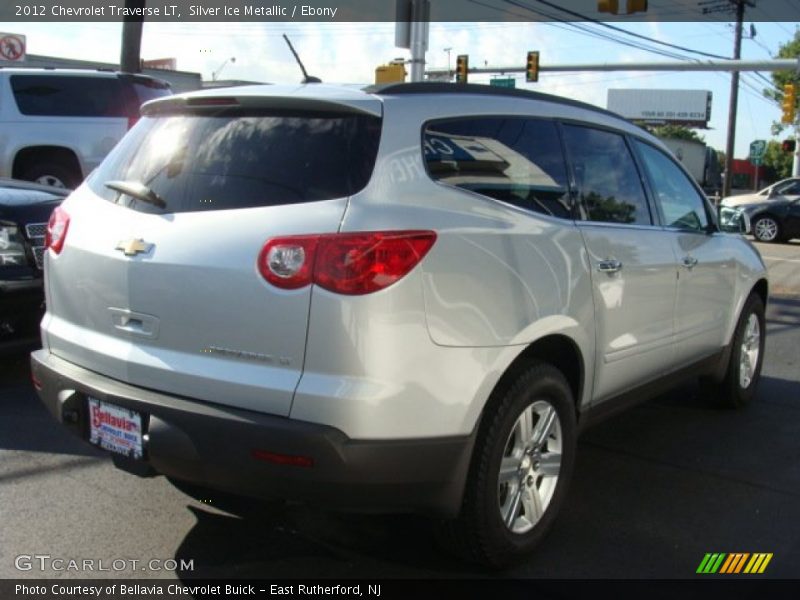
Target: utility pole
column 734, row 101
column 130, row 54
column 411, row 31
column 420, row 14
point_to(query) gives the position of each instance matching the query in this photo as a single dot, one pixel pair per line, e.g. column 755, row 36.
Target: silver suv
column 407, row 298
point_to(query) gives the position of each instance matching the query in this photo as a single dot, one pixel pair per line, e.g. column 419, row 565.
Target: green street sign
column 757, row 149
column 505, row 82
column 757, row 160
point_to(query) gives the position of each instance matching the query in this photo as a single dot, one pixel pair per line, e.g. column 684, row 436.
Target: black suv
column 24, row 211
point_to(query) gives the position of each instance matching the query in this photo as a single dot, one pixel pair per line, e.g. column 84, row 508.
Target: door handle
column 137, row 324
column 609, row 266
column 689, row 261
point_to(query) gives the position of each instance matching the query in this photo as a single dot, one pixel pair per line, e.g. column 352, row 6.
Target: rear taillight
column 56, row 230
column 345, row 263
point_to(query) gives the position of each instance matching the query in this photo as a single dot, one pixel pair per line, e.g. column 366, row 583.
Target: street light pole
column 215, row 74
column 448, row 50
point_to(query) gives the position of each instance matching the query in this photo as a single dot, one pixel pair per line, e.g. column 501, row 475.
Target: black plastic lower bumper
column 223, row 448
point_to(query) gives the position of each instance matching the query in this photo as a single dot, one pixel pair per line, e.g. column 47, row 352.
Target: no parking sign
column 12, row 47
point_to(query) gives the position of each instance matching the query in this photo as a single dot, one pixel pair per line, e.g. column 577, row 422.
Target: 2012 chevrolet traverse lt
column 406, row 298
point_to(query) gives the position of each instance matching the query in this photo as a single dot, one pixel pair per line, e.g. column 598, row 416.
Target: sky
column 349, row 53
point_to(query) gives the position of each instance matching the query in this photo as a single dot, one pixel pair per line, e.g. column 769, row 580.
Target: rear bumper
column 212, row 445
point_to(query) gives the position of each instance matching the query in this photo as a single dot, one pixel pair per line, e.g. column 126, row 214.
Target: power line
column 580, row 28
column 626, row 32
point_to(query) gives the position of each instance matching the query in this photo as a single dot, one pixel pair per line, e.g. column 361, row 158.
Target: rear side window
column 512, row 159
column 199, row 162
column 63, row 96
column 609, row 184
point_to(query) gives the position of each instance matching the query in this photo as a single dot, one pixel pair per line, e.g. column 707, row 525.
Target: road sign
column 757, row 161
column 12, row 47
column 757, row 149
column 504, row 82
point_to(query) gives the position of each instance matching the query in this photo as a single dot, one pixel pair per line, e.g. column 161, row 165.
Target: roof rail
column 437, row 87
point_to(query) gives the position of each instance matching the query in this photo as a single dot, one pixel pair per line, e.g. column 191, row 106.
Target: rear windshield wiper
column 137, row 190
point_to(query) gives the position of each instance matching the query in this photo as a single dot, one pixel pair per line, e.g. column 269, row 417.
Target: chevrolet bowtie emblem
column 133, row 247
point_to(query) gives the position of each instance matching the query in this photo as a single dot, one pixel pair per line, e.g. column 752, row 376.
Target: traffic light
column 788, row 145
column 612, row 6
column 394, row 72
column 532, row 67
column 789, row 102
column 462, row 68
column 635, row 6
column 608, row 6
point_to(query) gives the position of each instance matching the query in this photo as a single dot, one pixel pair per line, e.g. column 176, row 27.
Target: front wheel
column 523, row 460
column 747, row 356
column 766, row 229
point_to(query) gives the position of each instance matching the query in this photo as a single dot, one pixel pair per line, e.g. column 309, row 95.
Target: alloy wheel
column 749, row 351
column 766, row 229
column 530, row 467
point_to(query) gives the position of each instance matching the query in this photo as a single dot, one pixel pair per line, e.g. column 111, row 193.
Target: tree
column 721, row 159
column 790, row 49
column 677, row 132
column 778, row 162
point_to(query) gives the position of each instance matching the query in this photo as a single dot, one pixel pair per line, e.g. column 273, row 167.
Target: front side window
column 606, row 176
column 683, row 207
column 516, row 160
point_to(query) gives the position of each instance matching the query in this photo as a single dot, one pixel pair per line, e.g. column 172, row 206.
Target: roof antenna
column 306, row 77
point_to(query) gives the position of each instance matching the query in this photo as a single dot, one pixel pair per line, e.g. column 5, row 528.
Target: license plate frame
column 115, row 428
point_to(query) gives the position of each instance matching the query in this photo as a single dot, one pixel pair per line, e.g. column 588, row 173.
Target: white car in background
column 56, row 125
column 784, row 189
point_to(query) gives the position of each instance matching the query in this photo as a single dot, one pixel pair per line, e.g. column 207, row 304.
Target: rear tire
column 738, row 387
column 522, row 463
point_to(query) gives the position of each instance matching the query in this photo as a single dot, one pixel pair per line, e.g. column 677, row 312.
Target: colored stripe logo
column 734, row 563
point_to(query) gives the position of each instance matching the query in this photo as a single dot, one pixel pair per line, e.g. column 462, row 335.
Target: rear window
column 64, row 96
column 199, row 162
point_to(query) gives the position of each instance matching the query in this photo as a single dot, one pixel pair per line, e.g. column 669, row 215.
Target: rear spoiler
column 203, row 103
